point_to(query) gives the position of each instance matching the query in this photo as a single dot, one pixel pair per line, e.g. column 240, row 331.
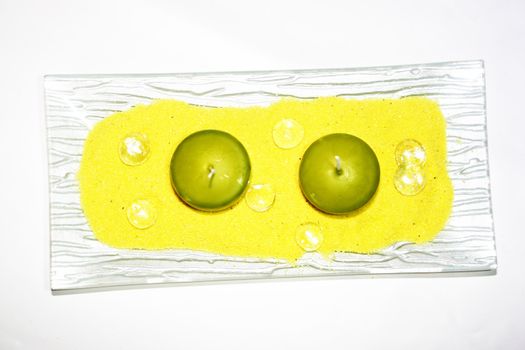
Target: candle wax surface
column 210, row 170
column 107, row 185
column 339, row 173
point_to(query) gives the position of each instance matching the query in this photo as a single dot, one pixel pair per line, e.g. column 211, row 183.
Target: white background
column 97, row 36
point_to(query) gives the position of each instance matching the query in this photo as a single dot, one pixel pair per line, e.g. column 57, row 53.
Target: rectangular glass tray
column 75, row 103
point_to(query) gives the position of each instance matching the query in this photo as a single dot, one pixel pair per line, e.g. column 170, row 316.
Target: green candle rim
column 227, row 203
column 357, row 205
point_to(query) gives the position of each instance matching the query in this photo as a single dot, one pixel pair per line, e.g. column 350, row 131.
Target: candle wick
column 211, row 174
column 338, row 169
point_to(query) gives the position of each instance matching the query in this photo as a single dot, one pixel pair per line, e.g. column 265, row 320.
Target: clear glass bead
column 260, row 197
column 309, row 236
column 410, row 180
column 134, row 149
column 410, row 153
column 142, row 214
column 288, row 133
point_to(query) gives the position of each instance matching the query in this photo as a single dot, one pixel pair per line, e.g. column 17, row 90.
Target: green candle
column 210, row 170
column 339, row 173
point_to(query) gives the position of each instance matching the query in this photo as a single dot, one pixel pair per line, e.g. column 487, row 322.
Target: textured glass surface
column 74, row 103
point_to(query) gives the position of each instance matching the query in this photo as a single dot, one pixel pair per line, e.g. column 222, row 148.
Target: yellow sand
column 108, row 186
